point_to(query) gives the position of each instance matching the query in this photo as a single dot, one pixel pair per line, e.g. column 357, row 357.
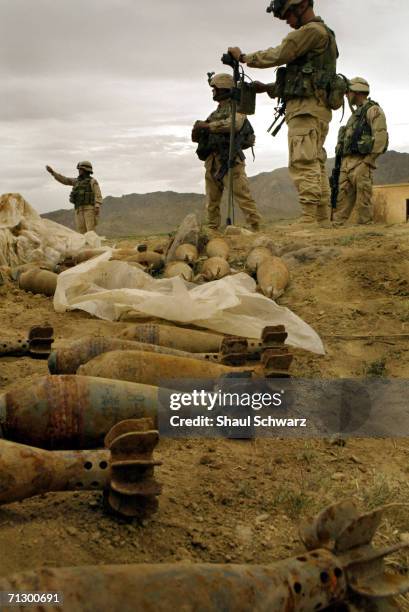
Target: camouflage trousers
column 85, row 219
column 355, row 191
column 307, row 157
column 241, row 192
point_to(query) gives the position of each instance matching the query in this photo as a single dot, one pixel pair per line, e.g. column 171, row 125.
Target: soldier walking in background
column 85, row 195
column 360, row 143
column 214, row 151
column 308, row 89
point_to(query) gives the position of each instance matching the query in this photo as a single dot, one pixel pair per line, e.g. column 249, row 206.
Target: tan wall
column 389, row 203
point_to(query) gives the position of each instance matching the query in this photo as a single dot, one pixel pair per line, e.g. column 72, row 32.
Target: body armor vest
column 82, row 193
column 357, row 137
column 312, row 75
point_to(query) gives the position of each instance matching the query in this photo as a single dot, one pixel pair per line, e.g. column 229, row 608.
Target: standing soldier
column 360, row 142
column 216, row 130
column 308, row 88
column 85, row 195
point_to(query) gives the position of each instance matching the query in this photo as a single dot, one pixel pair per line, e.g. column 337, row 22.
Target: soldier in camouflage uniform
column 307, row 88
column 85, row 195
column 360, row 143
column 216, row 177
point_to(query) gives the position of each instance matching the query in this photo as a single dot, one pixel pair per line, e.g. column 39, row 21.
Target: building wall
column 389, row 203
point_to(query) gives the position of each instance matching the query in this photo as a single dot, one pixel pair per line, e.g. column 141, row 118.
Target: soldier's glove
column 236, row 53
column 97, row 211
column 50, row 170
column 201, row 125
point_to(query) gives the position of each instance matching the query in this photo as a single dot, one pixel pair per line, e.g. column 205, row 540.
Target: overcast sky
column 120, row 82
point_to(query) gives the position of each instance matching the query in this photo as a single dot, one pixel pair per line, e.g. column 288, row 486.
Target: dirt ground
column 241, row 501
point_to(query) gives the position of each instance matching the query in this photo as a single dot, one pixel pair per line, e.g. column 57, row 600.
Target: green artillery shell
column 71, row 411
column 38, row 281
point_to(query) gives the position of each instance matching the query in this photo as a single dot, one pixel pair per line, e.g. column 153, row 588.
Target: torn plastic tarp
column 26, row 237
column 111, row 290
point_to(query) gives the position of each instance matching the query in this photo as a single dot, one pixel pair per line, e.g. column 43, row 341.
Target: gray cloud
column 121, row 82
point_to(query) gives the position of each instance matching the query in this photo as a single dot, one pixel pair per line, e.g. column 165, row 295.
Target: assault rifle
column 334, row 181
column 279, row 112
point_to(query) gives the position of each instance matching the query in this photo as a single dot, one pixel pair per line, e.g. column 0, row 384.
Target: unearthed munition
column 151, row 368
column 273, row 277
column 86, row 254
column 178, row 268
column 71, row 411
column 189, row 340
column 187, row 253
column 256, row 257
column 68, row 359
column 38, row 344
column 124, row 471
column 217, row 247
column 348, row 574
column 122, row 254
column 38, row 281
column 215, row 268
column 149, row 259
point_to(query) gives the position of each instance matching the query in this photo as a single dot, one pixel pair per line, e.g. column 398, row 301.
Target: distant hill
column 162, row 211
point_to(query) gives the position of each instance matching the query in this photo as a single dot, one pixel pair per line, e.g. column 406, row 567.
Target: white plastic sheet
column 26, row 237
column 111, row 289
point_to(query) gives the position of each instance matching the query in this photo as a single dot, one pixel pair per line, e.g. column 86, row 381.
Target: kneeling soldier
column 215, row 153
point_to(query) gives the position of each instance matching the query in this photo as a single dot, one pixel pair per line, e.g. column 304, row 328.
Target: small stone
column 72, row 531
column 338, row 476
column 261, row 518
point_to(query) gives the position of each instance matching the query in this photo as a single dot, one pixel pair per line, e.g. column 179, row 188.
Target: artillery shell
column 189, row 340
column 152, row 368
column 187, row 253
column 71, row 411
column 86, row 254
column 178, row 268
column 38, row 281
column 150, row 259
column 67, row 360
column 256, row 257
column 273, row 277
column 215, row 268
column 217, row 247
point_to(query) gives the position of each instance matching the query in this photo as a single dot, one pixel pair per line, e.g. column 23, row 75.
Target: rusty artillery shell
column 67, row 360
column 187, row 253
column 293, row 585
column 38, row 281
column 124, row 471
column 178, row 268
column 149, row 259
column 86, row 254
column 152, row 368
column 346, row 569
column 273, row 277
column 71, row 411
column 189, row 340
column 217, row 247
column 215, row 268
column 122, row 254
column 256, row 257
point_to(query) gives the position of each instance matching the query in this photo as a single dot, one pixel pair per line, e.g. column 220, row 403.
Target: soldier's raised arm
column 65, row 180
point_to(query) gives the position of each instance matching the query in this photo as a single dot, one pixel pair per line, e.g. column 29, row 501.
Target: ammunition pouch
column 82, row 193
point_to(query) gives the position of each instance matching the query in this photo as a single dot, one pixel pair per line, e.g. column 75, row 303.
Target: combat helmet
column 85, row 165
column 358, row 85
column 280, row 7
column 222, row 81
